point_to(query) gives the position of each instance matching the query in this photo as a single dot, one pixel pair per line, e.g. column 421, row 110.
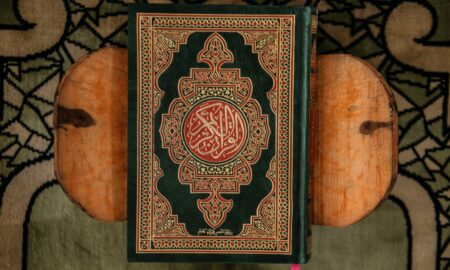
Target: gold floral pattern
column 207, row 127
column 271, row 38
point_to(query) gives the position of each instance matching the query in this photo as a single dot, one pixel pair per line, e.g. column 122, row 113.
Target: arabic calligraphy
column 215, row 131
column 213, row 232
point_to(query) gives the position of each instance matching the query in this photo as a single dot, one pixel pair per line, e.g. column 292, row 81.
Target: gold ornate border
column 272, row 38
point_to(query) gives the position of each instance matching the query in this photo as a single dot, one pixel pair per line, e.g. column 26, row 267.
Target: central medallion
column 215, row 131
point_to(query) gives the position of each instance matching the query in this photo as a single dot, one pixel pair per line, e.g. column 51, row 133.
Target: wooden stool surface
column 356, row 160
column 356, row 138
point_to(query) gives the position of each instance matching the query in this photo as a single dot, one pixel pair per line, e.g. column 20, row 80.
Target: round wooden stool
column 355, row 140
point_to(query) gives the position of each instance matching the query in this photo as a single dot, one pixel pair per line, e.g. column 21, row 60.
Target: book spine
column 312, row 128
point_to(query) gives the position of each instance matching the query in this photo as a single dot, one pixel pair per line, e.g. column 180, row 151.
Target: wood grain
column 356, row 138
column 91, row 134
column 356, row 141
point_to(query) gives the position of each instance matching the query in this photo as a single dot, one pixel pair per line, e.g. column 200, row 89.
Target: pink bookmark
column 295, row 267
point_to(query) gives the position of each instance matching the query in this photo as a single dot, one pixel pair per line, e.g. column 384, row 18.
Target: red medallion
column 214, row 131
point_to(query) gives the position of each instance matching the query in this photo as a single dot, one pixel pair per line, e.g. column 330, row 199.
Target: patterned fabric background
column 407, row 41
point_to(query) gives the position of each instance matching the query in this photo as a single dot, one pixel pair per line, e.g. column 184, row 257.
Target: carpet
column 407, row 41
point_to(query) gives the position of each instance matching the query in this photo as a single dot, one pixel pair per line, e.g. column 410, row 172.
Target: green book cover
column 218, row 133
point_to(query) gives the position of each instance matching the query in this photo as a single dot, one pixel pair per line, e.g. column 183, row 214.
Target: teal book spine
column 218, row 133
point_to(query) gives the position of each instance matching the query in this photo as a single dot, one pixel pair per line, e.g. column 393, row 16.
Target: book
column 218, row 133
